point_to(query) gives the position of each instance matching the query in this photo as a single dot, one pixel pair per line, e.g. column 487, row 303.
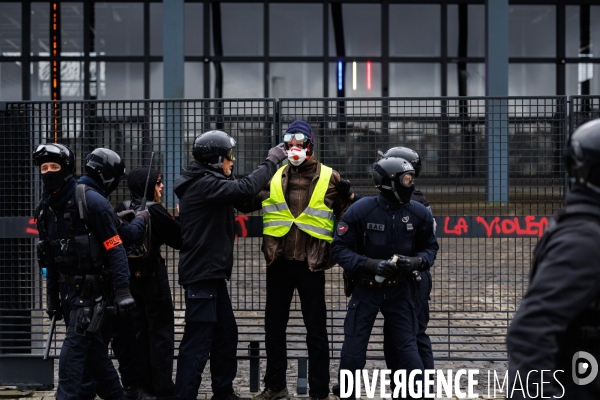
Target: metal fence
column 492, row 172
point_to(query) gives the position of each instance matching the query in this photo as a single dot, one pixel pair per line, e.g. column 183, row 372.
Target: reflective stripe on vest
column 316, row 219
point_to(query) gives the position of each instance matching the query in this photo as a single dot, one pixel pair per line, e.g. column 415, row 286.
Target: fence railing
column 492, row 171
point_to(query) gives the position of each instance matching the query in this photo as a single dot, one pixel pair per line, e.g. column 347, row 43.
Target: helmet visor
column 47, row 149
column 407, row 179
column 229, row 154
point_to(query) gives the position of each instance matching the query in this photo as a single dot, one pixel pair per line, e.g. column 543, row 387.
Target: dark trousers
column 397, row 307
column 154, row 323
column 80, row 353
column 210, row 328
column 283, row 276
column 421, row 298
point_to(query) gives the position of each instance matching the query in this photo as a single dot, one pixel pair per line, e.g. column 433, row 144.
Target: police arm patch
column 342, row 228
column 112, row 242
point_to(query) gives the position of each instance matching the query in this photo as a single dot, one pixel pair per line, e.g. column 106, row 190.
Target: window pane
column 296, row 80
column 573, row 26
column 532, row 31
column 117, row 81
column 531, row 80
column 362, row 30
column 405, row 20
column 576, row 73
column 40, row 30
column 194, row 28
column 194, row 80
column 71, row 29
column 241, row 80
column 290, row 36
column 71, row 76
column 475, row 80
column 10, row 29
column 475, row 31
column 10, row 81
column 156, row 80
column 156, row 29
column 119, row 29
column 362, row 80
column 242, row 29
column 415, row 80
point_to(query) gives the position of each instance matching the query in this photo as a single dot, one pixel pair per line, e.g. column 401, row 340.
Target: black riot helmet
column 106, row 167
column 395, row 178
column 404, row 152
column 582, row 155
column 58, row 153
column 211, row 147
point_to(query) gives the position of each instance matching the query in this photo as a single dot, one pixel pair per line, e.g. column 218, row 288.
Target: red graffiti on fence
column 241, row 220
column 31, row 230
column 526, row 226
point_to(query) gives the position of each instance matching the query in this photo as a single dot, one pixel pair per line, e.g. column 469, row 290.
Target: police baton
column 143, row 203
column 50, row 334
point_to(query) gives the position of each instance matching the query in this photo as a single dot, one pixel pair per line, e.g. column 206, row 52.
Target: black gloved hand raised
column 144, row 214
column 385, row 268
column 344, row 188
column 123, row 299
column 127, row 215
column 408, row 264
column 53, row 306
column 277, row 154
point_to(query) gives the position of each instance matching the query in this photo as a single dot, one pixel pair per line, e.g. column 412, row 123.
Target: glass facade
column 114, row 50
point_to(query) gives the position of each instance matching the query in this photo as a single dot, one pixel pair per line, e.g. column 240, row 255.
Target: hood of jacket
column 136, row 182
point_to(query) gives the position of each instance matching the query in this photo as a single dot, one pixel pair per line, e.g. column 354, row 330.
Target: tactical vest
column 79, row 248
column 317, row 219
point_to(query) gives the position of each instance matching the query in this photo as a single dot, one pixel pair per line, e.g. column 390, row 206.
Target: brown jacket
column 298, row 184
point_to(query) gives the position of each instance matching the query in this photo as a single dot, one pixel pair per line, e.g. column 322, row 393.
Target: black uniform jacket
column 206, row 202
column 376, row 228
column 566, row 282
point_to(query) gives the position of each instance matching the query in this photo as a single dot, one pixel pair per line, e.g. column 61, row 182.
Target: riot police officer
column 423, row 282
column 372, row 231
column 559, row 317
column 78, row 238
column 207, row 195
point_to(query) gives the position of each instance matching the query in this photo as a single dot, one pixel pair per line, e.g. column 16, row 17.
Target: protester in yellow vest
column 299, row 206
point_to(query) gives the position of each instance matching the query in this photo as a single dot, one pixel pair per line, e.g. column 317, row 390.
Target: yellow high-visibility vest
column 316, row 219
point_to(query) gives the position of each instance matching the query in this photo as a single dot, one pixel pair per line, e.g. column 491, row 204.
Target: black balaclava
column 136, row 182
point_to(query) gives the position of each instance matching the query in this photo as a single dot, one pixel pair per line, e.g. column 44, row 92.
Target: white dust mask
column 296, row 156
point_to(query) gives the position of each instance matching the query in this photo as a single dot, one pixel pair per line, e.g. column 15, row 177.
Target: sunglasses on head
column 300, row 137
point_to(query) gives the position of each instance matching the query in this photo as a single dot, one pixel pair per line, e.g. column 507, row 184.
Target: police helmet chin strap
column 393, row 190
column 106, row 182
column 218, row 165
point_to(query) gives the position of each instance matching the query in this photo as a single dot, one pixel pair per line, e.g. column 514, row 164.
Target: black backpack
column 140, row 250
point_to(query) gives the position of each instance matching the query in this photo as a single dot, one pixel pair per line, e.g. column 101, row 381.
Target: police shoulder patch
column 375, row 227
column 342, row 228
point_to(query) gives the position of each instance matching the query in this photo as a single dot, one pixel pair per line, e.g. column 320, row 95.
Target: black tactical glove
column 408, row 264
column 277, row 154
column 123, row 299
column 145, row 215
column 53, row 306
column 344, row 188
column 126, row 215
column 385, row 268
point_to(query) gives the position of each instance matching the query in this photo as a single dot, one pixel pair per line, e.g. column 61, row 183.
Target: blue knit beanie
column 302, row 127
